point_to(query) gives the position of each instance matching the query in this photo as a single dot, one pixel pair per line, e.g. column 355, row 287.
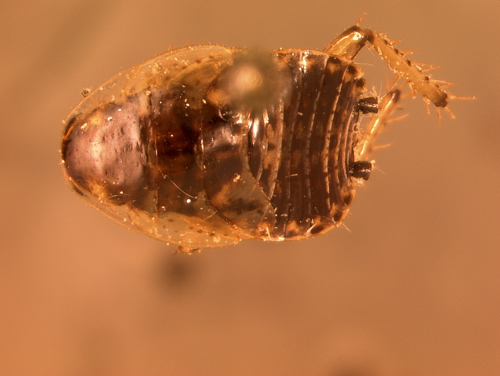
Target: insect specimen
column 207, row 145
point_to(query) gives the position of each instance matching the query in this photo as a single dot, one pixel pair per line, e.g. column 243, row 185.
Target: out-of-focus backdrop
column 412, row 287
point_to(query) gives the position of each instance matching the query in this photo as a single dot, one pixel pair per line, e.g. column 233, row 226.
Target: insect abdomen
column 313, row 187
column 283, row 172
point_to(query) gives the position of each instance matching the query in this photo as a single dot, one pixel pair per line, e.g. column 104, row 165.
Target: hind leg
column 351, row 41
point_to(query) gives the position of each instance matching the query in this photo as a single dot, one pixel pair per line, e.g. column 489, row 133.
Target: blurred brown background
column 413, row 288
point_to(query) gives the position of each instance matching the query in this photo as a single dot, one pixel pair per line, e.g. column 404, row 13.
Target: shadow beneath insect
column 176, row 273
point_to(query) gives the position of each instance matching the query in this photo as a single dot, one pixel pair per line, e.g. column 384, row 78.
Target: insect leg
column 347, row 44
column 350, row 42
column 385, row 108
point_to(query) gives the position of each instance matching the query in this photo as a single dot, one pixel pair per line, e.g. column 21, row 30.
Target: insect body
column 207, row 145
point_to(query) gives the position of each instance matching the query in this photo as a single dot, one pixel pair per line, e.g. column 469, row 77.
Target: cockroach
column 206, row 145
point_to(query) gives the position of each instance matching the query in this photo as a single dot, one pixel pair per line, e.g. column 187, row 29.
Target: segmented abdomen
column 313, row 188
column 284, row 171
